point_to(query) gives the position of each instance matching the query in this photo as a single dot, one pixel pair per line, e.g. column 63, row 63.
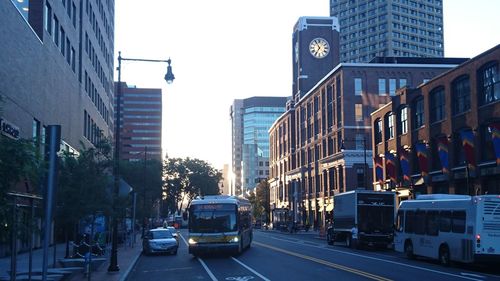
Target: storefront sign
column 8, row 129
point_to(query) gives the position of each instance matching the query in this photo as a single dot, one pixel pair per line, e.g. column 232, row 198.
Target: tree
column 84, row 187
column 184, row 179
column 20, row 164
column 146, row 179
column 260, row 201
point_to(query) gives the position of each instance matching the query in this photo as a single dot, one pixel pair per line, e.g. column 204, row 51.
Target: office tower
column 400, row 28
column 141, row 121
column 251, row 119
column 57, row 69
column 315, row 51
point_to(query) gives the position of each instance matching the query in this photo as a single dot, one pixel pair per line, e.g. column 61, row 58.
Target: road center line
column 327, row 263
column 388, row 261
column 249, row 268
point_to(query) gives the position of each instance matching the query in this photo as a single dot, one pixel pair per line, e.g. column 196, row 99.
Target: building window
column 74, row 15
column 63, row 36
column 381, row 87
column 489, row 86
column 418, row 108
column 56, row 31
column 392, row 87
column 436, row 107
column 461, row 95
column 403, row 119
column 360, row 142
column 47, row 16
column 378, row 131
column 389, row 126
column 358, row 86
column 402, row 83
column 358, row 112
column 487, row 146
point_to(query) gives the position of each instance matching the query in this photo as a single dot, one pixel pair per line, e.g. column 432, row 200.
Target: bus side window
column 420, row 222
column 432, row 223
column 458, row 222
column 445, row 221
column 409, row 221
column 400, row 221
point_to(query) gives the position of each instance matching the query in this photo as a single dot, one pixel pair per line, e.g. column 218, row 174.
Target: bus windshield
column 213, row 218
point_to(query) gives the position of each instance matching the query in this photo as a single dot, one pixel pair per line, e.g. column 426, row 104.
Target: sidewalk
column 127, row 257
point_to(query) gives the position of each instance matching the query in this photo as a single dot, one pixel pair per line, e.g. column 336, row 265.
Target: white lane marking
column 212, row 276
column 244, row 278
column 377, row 259
column 249, row 268
column 472, row 275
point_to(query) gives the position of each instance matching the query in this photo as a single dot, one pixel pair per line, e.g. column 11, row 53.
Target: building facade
column 401, row 28
column 141, row 122
column 321, row 145
column 251, row 119
column 443, row 136
column 57, row 69
column 315, row 41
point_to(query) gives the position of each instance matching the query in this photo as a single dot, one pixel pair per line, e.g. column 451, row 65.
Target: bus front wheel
column 409, row 250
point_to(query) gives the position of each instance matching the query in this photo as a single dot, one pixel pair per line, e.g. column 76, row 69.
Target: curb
column 126, row 273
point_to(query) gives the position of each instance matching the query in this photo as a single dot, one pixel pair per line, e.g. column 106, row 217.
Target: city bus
column 449, row 228
column 219, row 223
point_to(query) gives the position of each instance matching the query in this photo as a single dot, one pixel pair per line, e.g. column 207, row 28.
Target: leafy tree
column 260, row 201
column 184, row 179
column 84, row 187
column 20, row 165
column 146, row 179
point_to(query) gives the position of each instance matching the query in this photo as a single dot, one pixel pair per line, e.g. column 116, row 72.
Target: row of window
column 488, row 92
column 97, row 30
column 96, row 63
column 96, row 98
column 56, row 30
column 91, row 131
column 431, row 222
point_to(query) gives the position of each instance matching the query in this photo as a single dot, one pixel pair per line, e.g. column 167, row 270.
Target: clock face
column 319, row 48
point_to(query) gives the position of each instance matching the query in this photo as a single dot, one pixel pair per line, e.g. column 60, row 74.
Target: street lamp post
column 169, row 77
column 342, row 148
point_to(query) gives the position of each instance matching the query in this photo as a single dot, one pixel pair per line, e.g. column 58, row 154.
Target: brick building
column 439, row 137
column 307, row 164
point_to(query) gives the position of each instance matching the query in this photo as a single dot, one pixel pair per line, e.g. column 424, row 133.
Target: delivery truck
column 363, row 218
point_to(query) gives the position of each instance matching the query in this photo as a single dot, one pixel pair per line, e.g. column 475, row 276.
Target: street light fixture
column 169, row 77
column 342, row 148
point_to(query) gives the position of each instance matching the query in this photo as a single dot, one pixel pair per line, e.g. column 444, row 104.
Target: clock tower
column 315, row 51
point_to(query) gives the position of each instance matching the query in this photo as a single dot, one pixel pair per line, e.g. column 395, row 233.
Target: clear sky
column 223, row 50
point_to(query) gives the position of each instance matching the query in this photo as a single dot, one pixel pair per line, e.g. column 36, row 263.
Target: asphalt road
column 299, row 257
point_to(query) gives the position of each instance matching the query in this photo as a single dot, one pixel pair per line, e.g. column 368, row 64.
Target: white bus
column 219, row 223
column 449, row 228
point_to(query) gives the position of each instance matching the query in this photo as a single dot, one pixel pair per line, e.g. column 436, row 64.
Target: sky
column 223, row 50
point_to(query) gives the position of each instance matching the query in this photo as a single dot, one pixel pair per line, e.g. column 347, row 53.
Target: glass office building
column 251, row 119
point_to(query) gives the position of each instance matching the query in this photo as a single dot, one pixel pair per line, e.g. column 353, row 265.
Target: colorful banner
column 442, row 147
column 379, row 169
column 468, row 145
column 495, row 136
column 422, row 155
column 390, row 166
column 404, row 162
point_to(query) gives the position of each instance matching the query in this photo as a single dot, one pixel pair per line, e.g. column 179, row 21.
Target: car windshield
column 161, row 234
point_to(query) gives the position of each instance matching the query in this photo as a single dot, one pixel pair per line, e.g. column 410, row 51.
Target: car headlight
column 234, row 239
column 191, row 241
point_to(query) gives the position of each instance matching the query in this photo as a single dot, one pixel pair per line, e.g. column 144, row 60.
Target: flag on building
column 390, row 165
column 379, row 169
column 423, row 156
column 442, row 146
column 468, row 145
column 495, row 136
column 404, row 162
